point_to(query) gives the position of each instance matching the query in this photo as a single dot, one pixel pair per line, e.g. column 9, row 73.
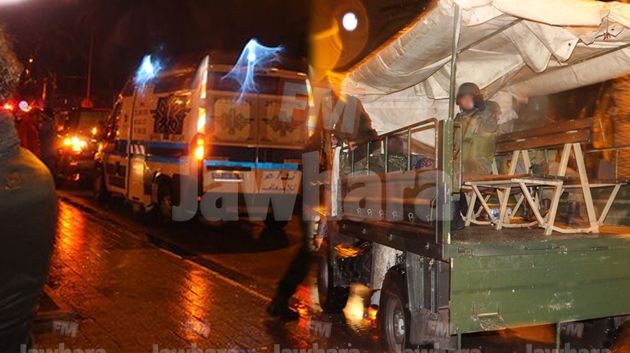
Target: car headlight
column 75, row 143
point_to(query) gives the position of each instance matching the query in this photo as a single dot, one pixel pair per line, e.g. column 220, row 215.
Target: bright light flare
column 254, row 56
column 200, row 147
column 148, row 70
column 372, row 313
column 349, row 21
column 201, row 120
column 75, row 143
column 10, row 2
column 24, row 106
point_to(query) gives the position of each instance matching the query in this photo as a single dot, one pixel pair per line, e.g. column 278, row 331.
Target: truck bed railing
column 366, row 148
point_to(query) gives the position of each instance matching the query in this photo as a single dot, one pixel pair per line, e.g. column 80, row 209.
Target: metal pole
column 88, row 93
column 558, row 334
column 386, row 149
column 351, row 161
column 129, row 142
column 367, row 161
column 409, row 149
column 457, row 21
column 444, row 178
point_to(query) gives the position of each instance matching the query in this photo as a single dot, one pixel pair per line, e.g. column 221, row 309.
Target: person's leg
column 293, row 277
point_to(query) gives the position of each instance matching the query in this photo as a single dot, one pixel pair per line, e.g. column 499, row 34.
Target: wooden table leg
column 504, row 197
column 553, row 209
column 471, row 208
column 532, row 204
column 608, row 205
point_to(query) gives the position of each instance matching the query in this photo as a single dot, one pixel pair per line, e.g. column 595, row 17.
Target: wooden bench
column 492, row 183
column 568, row 136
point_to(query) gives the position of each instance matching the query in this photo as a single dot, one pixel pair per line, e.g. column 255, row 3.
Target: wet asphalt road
column 138, row 286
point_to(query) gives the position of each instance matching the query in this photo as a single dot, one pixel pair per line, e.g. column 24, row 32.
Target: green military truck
column 434, row 283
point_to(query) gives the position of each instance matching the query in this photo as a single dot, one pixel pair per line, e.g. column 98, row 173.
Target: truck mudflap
column 552, row 282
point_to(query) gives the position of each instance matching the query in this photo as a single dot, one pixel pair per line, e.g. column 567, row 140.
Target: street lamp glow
column 9, row 2
column 350, row 21
column 24, row 106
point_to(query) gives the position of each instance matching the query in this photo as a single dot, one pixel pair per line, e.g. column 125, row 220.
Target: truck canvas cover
column 512, row 50
column 508, row 48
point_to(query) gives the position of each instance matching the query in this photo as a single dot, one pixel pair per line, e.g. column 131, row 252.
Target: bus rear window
column 271, row 85
column 218, row 82
column 173, row 83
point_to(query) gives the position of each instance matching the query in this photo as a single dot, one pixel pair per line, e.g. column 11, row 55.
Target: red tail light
column 199, row 147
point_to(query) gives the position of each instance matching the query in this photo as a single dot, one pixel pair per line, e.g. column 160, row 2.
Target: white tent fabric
column 520, row 48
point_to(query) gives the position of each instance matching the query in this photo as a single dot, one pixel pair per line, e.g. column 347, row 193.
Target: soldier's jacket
column 476, row 147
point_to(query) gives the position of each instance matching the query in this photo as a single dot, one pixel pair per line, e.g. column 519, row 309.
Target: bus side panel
column 232, row 119
column 282, row 121
column 537, row 286
column 163, row 125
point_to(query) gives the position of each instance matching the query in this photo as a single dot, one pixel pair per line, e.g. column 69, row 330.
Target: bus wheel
column 164, row 209
column 393, row 313
column 273, row 224
column 332, row 299
column 99, row 189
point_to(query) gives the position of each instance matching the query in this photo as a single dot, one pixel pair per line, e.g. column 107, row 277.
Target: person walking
column 47, row 135
column 28, row 131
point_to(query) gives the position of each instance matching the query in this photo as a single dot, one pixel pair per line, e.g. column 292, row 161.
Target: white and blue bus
column 242, row 150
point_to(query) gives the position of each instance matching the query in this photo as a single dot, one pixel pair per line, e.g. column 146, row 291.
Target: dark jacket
column 28, row 217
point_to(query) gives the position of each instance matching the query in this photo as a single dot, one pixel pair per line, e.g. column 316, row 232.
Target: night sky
column 56, row 33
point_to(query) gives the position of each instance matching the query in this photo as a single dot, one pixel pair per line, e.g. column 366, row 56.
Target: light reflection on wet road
column 202, row 284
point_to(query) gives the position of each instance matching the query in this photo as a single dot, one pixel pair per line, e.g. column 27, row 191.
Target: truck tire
column 332, row 298
column 393, row 314
column 99, row 189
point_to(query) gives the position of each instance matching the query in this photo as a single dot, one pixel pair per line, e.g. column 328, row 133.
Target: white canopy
column 510, row 48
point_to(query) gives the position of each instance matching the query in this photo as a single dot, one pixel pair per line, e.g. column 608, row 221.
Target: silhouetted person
column 28, row 131
column 47, row 135
column 27, row 222
column 362, row 132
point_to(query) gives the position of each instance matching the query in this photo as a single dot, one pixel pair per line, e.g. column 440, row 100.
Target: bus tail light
column 199, row 140
column 201, row 120
column 311, row 125
column 199, row 147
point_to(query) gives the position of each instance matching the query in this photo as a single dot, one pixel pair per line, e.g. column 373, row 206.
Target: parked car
column 78, row 134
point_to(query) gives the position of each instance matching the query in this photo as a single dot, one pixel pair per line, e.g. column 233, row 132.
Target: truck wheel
column 332, row 299
column 164, row 209
column 393, row 313
column 99, row 189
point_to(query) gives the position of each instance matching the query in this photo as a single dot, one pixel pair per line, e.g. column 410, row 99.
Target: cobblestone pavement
column 136, row 287
column 133, row 296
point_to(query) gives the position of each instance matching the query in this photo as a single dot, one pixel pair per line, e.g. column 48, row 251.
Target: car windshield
column 84, row 121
